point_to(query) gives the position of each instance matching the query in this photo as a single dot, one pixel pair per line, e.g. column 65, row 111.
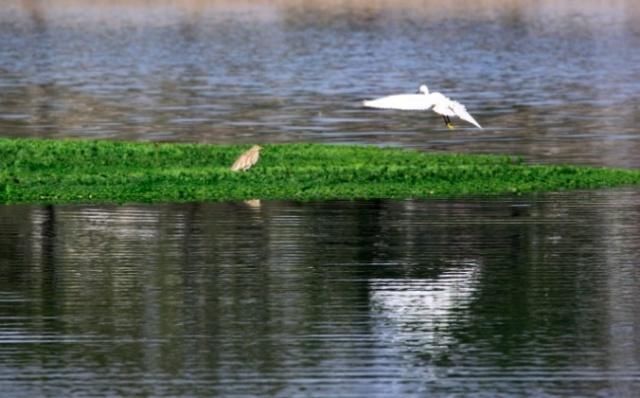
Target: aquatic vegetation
column 63, row 171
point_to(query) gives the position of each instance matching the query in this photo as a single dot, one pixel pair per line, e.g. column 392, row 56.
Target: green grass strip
column 68, row 171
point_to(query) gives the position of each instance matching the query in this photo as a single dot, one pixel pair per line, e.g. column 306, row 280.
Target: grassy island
column 66, row 171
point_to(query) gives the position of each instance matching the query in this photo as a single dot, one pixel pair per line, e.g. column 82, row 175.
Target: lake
column 508, row 296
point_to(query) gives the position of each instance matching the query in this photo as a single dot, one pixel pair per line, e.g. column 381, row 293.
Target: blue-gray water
column 555, row 80
column 514, row 296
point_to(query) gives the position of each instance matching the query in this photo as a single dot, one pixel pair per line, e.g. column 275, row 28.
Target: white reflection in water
column 417, row 312
column 368, row 298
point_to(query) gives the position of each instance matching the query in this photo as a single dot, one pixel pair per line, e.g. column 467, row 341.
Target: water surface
column 555, row 81
column 512, row 296
column 496, row 297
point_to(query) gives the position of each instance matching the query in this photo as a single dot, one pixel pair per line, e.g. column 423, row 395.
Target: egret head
column 423, row 89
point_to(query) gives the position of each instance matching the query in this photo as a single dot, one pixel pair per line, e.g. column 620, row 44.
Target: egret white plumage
column 423, row 101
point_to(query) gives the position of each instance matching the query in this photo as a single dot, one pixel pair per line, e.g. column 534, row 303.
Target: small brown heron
column 247, row 159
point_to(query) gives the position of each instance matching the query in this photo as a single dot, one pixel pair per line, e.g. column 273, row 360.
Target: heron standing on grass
column 247, row 159
column 423, row 101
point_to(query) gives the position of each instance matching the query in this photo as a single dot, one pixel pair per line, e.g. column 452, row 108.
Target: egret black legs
column 447, row 121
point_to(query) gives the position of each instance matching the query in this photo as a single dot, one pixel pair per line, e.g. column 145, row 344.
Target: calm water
column 526, row 296
column 496, row 297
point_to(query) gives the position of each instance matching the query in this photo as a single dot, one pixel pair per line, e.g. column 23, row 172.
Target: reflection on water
column 507, row 296
column 556, row 81
column 524, row 296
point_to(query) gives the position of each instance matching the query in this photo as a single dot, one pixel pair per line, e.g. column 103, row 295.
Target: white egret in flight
column 423, row 101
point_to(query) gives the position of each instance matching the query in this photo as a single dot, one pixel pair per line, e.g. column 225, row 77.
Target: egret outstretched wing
column 424, row 101
column 461, row 111
column 406, row 102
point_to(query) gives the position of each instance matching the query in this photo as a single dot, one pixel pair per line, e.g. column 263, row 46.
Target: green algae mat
column 76, row 171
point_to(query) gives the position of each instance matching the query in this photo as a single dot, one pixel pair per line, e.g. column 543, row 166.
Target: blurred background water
column 512, row 296
column 549, row 80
